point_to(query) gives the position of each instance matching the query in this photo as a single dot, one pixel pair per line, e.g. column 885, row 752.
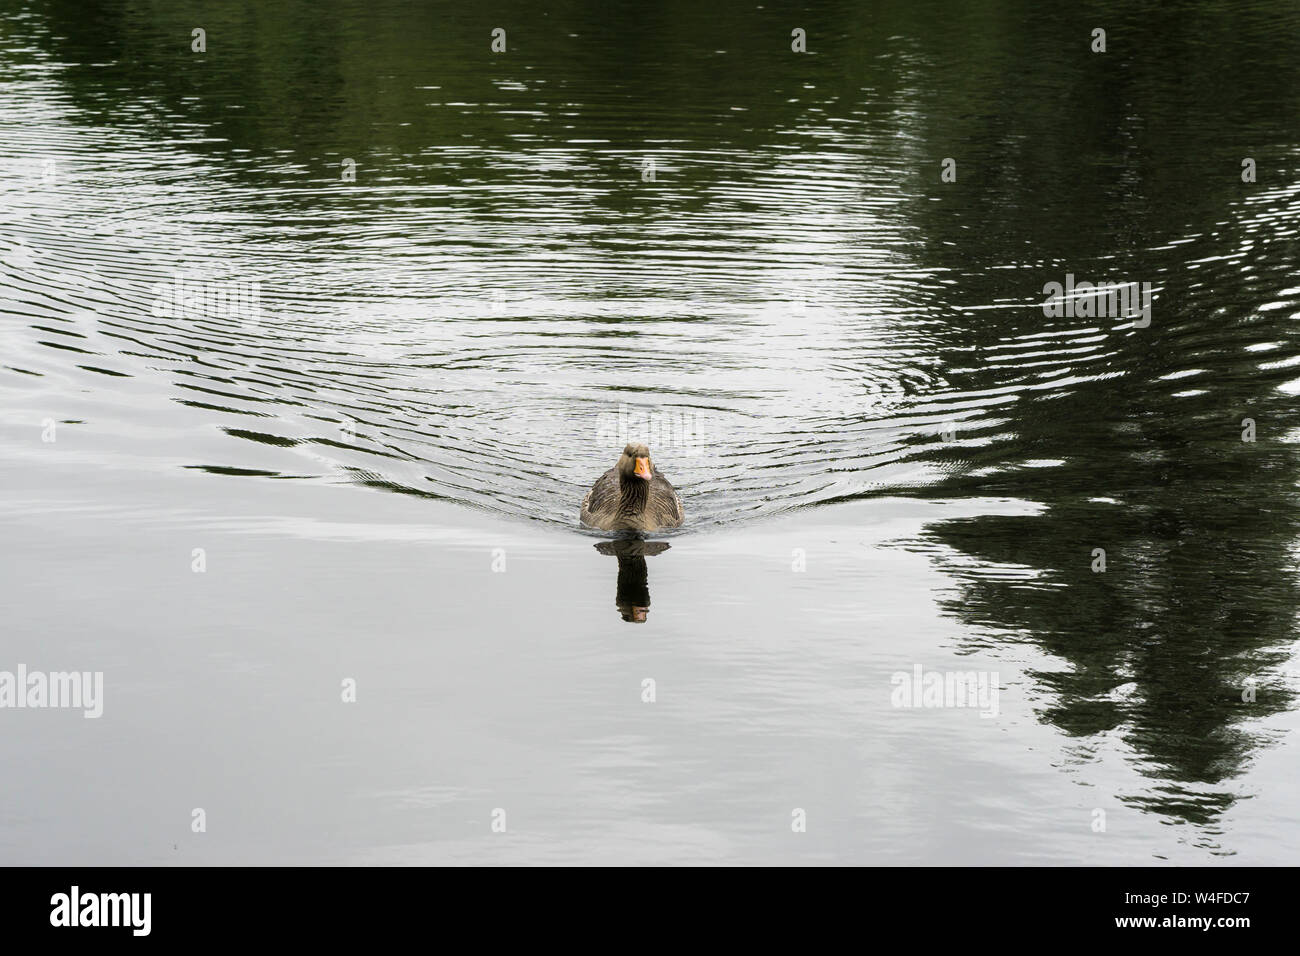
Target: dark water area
column 350, row 291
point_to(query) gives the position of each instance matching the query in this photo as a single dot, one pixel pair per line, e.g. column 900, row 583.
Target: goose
column 632, row 496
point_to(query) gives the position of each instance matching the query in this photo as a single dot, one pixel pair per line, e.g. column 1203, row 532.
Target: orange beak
column 643, row 468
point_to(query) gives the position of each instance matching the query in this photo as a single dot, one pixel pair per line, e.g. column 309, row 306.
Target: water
column 660, row 222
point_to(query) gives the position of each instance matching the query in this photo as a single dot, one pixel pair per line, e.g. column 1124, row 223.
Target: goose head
column 635, row 463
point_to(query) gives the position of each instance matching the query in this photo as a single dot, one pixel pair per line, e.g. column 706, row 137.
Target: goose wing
column 602, row 499
column 665, row 503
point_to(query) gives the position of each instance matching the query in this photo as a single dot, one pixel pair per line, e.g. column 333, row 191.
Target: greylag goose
column 632, row 496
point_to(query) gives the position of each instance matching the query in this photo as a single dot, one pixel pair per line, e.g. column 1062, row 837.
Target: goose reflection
column 632, row 594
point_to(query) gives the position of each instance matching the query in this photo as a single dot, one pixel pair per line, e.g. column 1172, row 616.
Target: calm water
column 662, row 223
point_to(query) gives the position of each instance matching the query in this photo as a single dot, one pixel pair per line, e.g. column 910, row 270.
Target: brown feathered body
column 623, row 499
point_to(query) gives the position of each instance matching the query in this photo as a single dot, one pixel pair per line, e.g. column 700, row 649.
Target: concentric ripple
column 774, row 298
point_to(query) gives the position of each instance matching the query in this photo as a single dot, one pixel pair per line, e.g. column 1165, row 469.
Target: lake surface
column 311, row 343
